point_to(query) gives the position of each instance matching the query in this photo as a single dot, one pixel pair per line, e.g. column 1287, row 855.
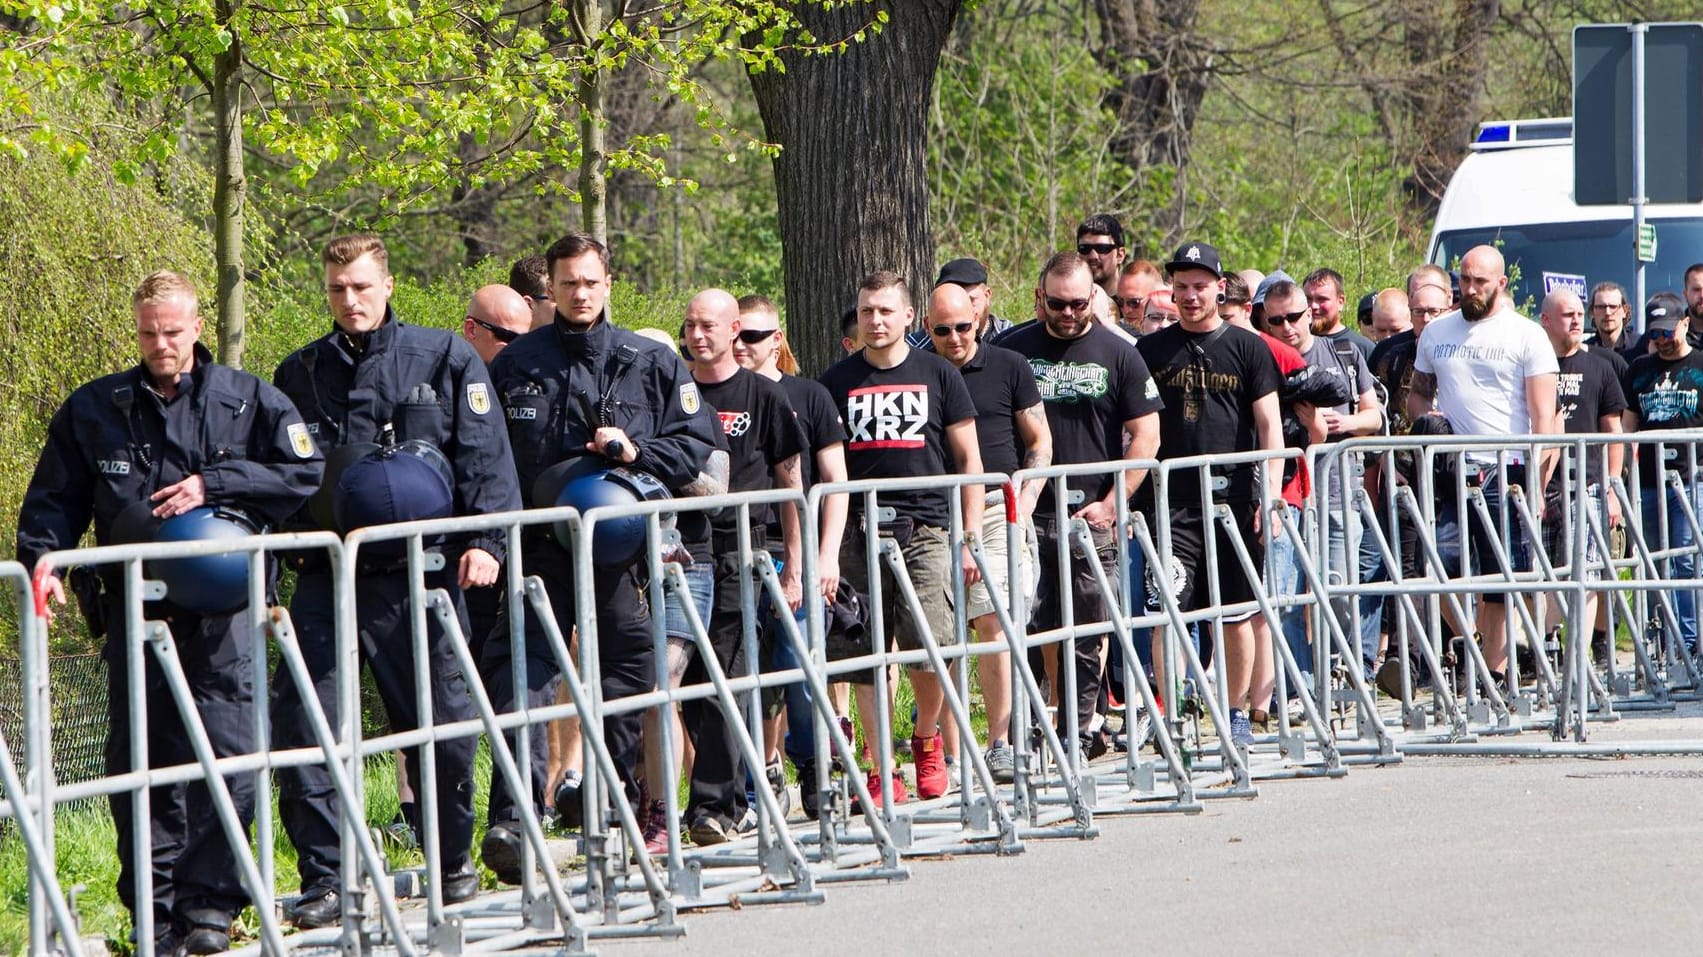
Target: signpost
column 1638, row 121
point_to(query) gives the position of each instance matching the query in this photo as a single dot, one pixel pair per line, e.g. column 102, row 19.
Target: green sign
column 1647, row 243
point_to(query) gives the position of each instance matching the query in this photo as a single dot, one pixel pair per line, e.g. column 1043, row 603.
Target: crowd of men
column 1123, row 363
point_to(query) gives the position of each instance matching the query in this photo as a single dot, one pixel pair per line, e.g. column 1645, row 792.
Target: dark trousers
column 626, row 659
column 1088, row 607
column 718, row 772
column 194, row 868
column 308, row 805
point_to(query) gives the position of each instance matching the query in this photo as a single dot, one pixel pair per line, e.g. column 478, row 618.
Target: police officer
column 173, row 434
column 375, row 380
column 583, row 393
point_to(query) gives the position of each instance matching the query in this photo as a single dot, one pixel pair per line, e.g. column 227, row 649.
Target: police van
column 1514, row 190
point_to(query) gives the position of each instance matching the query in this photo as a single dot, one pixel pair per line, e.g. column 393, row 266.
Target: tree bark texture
column 587, row 22
column 230, row 193
column 1447, row 44
column 1161, row 63
column 851, row 178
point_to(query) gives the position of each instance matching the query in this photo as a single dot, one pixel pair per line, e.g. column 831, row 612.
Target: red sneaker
column 655, row 828
column 900, row 794
column 932, row 778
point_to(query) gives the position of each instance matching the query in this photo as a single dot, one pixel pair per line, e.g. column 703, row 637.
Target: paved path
column 1436, row 855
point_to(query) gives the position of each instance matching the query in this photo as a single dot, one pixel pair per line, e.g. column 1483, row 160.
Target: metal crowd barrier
column 619, row 891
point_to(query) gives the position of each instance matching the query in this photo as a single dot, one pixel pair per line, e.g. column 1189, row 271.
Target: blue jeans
column 1681, row 567
column 1369, row 568
column 700, row 582
column 1285, row 581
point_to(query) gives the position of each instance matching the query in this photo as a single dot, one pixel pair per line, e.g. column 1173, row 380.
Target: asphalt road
column 1435, row 855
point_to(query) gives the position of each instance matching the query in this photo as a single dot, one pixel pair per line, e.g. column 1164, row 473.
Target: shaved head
column 494, row 312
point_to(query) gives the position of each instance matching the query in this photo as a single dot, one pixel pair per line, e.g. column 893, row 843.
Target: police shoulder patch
column 478, row 398
column 300, row 441
column 689, row 398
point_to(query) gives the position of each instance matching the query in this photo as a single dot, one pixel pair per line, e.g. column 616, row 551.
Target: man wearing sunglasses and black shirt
column 1097, row 391
column 1100, row 243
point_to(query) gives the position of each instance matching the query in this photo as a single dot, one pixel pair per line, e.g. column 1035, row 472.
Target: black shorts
column 1186, row 566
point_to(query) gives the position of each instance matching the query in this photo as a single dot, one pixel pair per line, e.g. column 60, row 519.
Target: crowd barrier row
column 1404, row 565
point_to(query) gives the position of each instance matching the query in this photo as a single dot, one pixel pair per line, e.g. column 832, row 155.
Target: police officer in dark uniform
column 375, row 380
column 174, row 434
column 582, row 392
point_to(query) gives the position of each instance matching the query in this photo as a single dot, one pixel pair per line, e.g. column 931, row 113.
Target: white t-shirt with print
column 1482, row 368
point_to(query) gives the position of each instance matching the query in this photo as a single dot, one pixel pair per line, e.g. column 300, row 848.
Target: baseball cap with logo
column 1195, row 256
column 1663, row 311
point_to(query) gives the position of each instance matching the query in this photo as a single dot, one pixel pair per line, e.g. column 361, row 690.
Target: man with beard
column 1100, row 243
column 1663, row 390
column 1489, row 371
column 1609, row 314
column 1325, row 300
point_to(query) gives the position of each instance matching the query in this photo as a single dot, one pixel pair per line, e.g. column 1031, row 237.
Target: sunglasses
column 1083, row 249
column 498, row 333
column 1063, row 305
column 958, row 327
column 1664, row 333
column 1133, row 302
column 1286, row 319
column 753, row 336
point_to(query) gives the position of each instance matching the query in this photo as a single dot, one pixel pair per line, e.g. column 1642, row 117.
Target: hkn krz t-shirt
column 1665, row 394
column 896, row 422
column 1209, row 381
column 1090, row 385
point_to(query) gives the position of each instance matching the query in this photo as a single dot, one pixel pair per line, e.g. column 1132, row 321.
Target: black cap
column 1364, row 313
column 1195, row 256
column 1663, row 311
column 962, row 272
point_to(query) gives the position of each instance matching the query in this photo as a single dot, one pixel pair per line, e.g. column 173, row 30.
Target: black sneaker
column 206, row 940
column 808, row 798
column 500, row 850
column 460, row 884
column 570, row 803
column 320, row 909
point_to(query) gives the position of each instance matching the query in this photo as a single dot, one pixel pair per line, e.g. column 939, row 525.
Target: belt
column 724, row 542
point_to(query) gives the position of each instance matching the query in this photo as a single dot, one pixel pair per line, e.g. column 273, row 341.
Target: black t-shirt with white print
column 758, row 422
column 1209, row 382
column 1090, row 386
column 1586, row 390
column 896, row 422
column 1666, row 394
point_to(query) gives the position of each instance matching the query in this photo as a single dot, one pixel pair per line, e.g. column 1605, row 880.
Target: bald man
column 496, row 316
column 1012, row 433
column 1490, row 372
column 763, row 446
column 1389, row 314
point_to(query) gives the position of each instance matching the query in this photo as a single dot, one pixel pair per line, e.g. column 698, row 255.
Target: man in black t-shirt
column 763, row 449
column 1097, row 392
column 907, row 415
column 1012, row 432
column 1664, row 390
column 1219, row 384
column 1588, row 399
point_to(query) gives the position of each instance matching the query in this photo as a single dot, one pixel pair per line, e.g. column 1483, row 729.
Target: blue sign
column 1560, row 280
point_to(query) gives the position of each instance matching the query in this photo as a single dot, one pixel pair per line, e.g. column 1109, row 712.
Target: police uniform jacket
column 550, row 379
column 116, row 441
column 405, row 382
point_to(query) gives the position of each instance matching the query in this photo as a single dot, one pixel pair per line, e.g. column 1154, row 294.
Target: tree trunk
column 474, row 209
column 230, row 192
column 1448, row 47
column 593, row 189
column 851, row 177
column 1161, row 64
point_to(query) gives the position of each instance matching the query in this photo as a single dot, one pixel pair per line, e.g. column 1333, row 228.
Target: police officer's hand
column 478, row 569
column 600, row 443
column 792, row 587
column 185, row 496
column 54, row 590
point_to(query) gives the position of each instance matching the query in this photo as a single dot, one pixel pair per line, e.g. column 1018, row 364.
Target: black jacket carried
column 407, row 382
column 115, row 442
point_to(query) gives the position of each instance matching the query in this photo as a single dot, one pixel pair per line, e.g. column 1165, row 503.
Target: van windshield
column 1599, row 251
